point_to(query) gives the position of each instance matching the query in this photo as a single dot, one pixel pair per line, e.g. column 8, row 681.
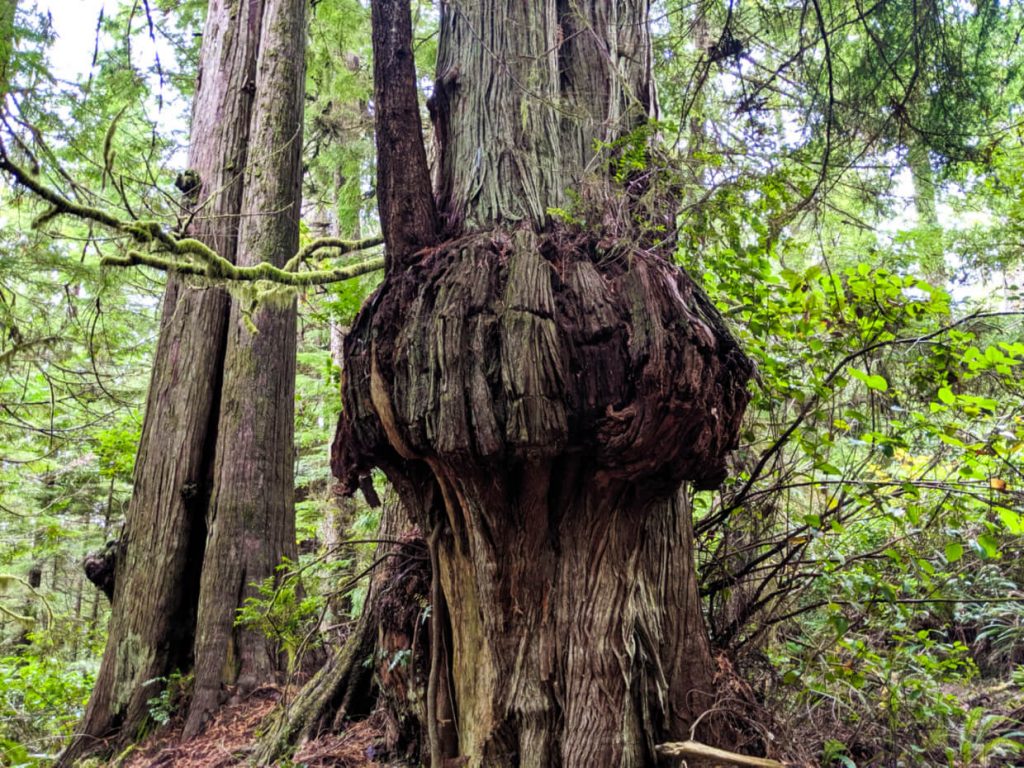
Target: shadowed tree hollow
column 538, row 391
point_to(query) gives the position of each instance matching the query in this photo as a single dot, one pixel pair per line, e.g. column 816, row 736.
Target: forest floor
column 228, row 739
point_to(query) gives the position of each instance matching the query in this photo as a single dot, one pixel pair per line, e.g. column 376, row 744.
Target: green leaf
column 871, row 381
column 946, row 395
column 954, row 551
column 987, row 546
column 1014, row 523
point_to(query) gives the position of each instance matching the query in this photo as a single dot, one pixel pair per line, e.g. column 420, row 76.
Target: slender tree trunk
column 7, row 10
column 251, row 518
column 556, row 385
column 931, row 251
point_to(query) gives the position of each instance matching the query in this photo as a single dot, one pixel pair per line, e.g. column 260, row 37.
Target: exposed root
column 339, row 689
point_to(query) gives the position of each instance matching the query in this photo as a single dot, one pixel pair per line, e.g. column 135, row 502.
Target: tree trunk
column 931, row 251
column 153, row 625
column 555, row 384
column 251, row 518
column 8, row 8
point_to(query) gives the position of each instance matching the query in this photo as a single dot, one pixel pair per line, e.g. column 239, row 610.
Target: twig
column 811, row 403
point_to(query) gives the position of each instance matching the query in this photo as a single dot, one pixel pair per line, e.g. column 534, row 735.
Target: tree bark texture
column 153, row 612
column 555, row 387
column 557, row 399
column 408, row 216
column 251, row 516
column 525, row 93
column 183, row 459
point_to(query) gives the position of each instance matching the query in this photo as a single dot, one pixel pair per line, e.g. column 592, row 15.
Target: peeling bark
column 557, row 394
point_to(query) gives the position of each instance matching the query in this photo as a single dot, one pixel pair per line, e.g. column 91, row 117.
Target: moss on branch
column 189, row 256
column 225, row 270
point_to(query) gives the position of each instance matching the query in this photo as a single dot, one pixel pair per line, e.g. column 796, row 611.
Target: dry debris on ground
column 226, row 742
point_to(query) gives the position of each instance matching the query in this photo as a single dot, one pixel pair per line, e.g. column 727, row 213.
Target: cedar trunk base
column 576, row 633
column 542, row 399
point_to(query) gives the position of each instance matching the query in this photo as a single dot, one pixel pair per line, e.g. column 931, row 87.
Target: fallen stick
column 694, row 749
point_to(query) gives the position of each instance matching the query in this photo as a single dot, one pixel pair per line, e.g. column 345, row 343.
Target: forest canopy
column 389, row 383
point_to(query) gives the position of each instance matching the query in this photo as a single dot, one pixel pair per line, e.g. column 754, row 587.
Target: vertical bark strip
column 525, row 93
column 408, row 216
column 154, row 605
column 251, row 517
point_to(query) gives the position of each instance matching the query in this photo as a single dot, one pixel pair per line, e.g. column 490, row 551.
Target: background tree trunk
column 7, row 10
column 931, row 251
column 251, row 517
column 153, row 626
column 153, row 613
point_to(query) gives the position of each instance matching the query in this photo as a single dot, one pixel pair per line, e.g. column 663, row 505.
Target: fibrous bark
column 558, row 396
column 198, row 448
column 556, row 387
column 153, row 612
column 525, row 95
column 251, row 517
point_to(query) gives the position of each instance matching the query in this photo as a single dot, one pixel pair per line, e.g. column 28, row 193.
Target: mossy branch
column 189, row 256
column 223, row 269
column 6, row 579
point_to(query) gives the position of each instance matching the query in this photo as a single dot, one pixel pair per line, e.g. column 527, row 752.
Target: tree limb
column 193, row 256
column 694, row 749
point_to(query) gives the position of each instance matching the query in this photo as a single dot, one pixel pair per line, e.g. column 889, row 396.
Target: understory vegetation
column 849, row 180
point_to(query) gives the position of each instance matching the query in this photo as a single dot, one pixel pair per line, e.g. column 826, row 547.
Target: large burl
column 510, row 348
